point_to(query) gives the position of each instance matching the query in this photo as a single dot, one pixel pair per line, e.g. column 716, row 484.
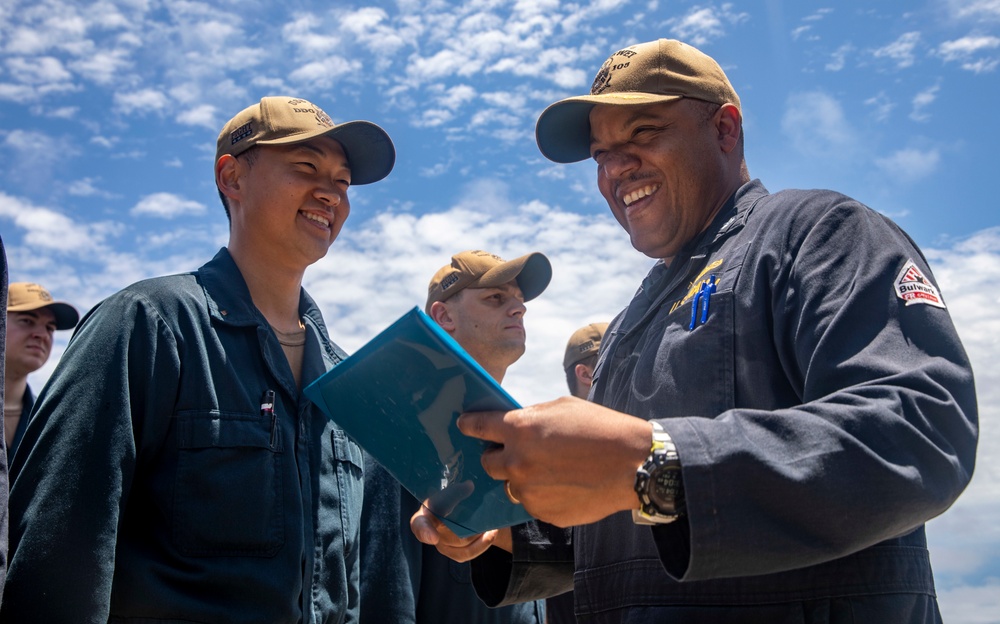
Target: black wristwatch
column 658, row 482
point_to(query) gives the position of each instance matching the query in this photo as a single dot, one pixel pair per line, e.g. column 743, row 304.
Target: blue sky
column 109, row 113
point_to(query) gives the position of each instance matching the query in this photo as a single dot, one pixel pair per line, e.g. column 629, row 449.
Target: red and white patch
column 913, row 287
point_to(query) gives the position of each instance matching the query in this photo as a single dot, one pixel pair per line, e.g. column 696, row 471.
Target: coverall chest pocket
column 348, row 468
column 676, row 366
column 228, row 491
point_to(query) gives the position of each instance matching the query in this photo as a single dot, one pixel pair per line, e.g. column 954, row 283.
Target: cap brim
column 66, row 315
column 534, row 278
column 533, row 272
column 369, row 149
column 563, row 129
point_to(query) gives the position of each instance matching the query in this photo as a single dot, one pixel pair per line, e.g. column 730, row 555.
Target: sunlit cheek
column 606, row 191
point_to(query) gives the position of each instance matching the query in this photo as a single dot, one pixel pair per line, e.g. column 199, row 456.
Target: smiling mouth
column 318, row 219
column 636, row 195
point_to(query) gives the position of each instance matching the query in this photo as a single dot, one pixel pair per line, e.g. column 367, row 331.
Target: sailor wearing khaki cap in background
column 33, row 316
column 778, row 411
column 174, row 459
column 479, row 299
column 581, row 358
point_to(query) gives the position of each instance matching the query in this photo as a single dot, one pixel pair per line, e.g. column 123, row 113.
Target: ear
column 584, row 375
column 227, row 176
column 729, row 122
column 441, row 316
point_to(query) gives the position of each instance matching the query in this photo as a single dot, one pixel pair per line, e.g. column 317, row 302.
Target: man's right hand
column 429, row 529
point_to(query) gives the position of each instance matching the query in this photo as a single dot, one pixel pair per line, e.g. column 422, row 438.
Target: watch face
column 666, row 484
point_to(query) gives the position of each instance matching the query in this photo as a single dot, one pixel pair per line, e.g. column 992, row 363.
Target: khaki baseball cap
column 281, row 120
column 647, row 73
column 481, row 269
column 584, row 342
column 27, row 296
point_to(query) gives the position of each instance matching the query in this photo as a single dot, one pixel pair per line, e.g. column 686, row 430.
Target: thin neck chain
column 291, row 339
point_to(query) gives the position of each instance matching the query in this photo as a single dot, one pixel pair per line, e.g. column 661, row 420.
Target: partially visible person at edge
column 3, row 445
column 33, row 317
column 580, row 358
column 174, row 460
column 776, row 414
column 479, row 299
column 579, row 362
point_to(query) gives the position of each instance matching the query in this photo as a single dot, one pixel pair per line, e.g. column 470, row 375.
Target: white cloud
column 32, row 156
column 103, row 66
column 62, row 112
column 816, row 124
column 568, row 77
column 818, row 15
column 881, row 104
column 433, row 117
column 364, row 20
column 472, row 40
column 67, row 34
column 203, row 115
column 489, row 118
column 975, row 10
column 964, row 51
column 325, row 72
column 976, row 604
column 45, row 27
column 962, row 48
column 300, row 33
column 164, row 239
column 103, row 141
column 921, row 101
column 578, row 17
column 372, row 29
column 166, row 206
column 85, row 187
column 981, row 66
column 52, row 233
column 797, row 33
column 38, row 70
column 510, row 101
column 106, row 15
column 703, row 24
column 142, row 101
column 435, row 170
column 839, row 57
column 17, row 92
column 909, row 165
column 900, row 51
column 455, row 97
column 441, row 64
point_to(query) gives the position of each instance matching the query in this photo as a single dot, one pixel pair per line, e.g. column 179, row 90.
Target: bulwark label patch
column 912, row 287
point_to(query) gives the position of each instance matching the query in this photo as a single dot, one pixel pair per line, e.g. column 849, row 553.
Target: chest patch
column 913, row 287
column 696, row 284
